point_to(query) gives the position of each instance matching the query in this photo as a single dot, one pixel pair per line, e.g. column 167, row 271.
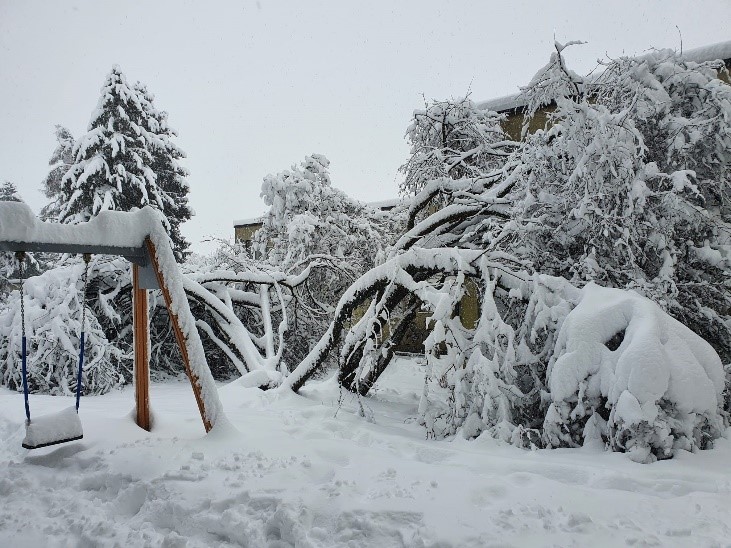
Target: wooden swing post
column 194, row 381
column 141, row 337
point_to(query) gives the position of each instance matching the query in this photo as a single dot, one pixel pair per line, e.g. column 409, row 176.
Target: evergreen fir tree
column 116, row 161
column 8, row 263
column 171, row 176
column 61, row 161
column 8, row 193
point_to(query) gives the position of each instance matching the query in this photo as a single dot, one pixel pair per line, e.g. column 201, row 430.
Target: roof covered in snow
column 385, row 204
column 381, row 204
column 721, row 50
column 248, row 222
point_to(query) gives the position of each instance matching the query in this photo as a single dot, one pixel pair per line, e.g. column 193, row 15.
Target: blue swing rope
column 24, row 369
column 87, row 258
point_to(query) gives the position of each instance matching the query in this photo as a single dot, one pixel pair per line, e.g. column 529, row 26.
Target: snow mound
column 261, row 378
column 625, row 370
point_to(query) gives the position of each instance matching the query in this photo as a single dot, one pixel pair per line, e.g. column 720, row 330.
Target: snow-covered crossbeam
column 135, row 235
column 109, row 233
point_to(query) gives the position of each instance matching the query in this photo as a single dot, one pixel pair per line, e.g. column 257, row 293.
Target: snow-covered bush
column 625, row 372
column 547, row 365
column 502, row 387
column 53, row 308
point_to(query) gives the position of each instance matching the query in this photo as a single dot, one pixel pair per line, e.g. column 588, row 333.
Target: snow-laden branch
column 399, row 271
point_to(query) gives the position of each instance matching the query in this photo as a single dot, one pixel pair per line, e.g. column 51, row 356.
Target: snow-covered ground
column 300, row 472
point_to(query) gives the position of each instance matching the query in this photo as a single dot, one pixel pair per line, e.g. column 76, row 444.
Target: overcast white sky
column 254, row 86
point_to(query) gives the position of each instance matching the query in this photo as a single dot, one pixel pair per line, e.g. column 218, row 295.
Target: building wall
column 245, row 233
column 726, row 75
column 513, row 124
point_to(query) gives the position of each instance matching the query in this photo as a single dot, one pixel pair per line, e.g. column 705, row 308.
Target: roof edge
column 712, row 52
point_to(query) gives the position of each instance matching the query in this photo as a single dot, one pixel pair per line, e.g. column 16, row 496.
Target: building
column 244, row 229
column 513, row 106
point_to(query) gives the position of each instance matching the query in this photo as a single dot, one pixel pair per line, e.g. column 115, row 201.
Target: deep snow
column 301, row 473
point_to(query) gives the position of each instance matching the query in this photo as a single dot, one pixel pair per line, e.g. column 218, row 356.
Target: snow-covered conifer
column 8, row 264
column 115, row 161
column 61, row 161
column 8, row 261
column 171, row 176
column 8, row 193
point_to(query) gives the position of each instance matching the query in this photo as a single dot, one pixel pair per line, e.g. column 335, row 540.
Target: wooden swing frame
column 146, row 274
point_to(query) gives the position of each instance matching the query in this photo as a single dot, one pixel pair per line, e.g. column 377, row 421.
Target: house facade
column 513, row 106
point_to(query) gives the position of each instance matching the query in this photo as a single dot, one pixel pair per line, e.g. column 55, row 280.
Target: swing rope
column 87, row 258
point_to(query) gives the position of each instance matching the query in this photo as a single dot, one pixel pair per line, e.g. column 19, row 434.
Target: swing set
column 65, row 426
column 57, row 427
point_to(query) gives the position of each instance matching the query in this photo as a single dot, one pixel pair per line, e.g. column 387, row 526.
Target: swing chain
column 87, row 259
column 20, row 255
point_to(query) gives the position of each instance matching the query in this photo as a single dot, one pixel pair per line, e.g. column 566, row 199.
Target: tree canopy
column 126, row 160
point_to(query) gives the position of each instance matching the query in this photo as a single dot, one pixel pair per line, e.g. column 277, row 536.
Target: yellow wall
column 513, row 124
column 724, row 74
column 245, row 233
column 469, row 306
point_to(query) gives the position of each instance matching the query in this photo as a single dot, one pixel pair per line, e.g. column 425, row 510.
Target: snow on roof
column 381, row 204
column 721, row 50
column 501, row 104
column 384, row 204
column 249, row 222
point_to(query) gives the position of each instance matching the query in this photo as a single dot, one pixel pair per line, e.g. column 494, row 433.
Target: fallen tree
column 548, row 364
